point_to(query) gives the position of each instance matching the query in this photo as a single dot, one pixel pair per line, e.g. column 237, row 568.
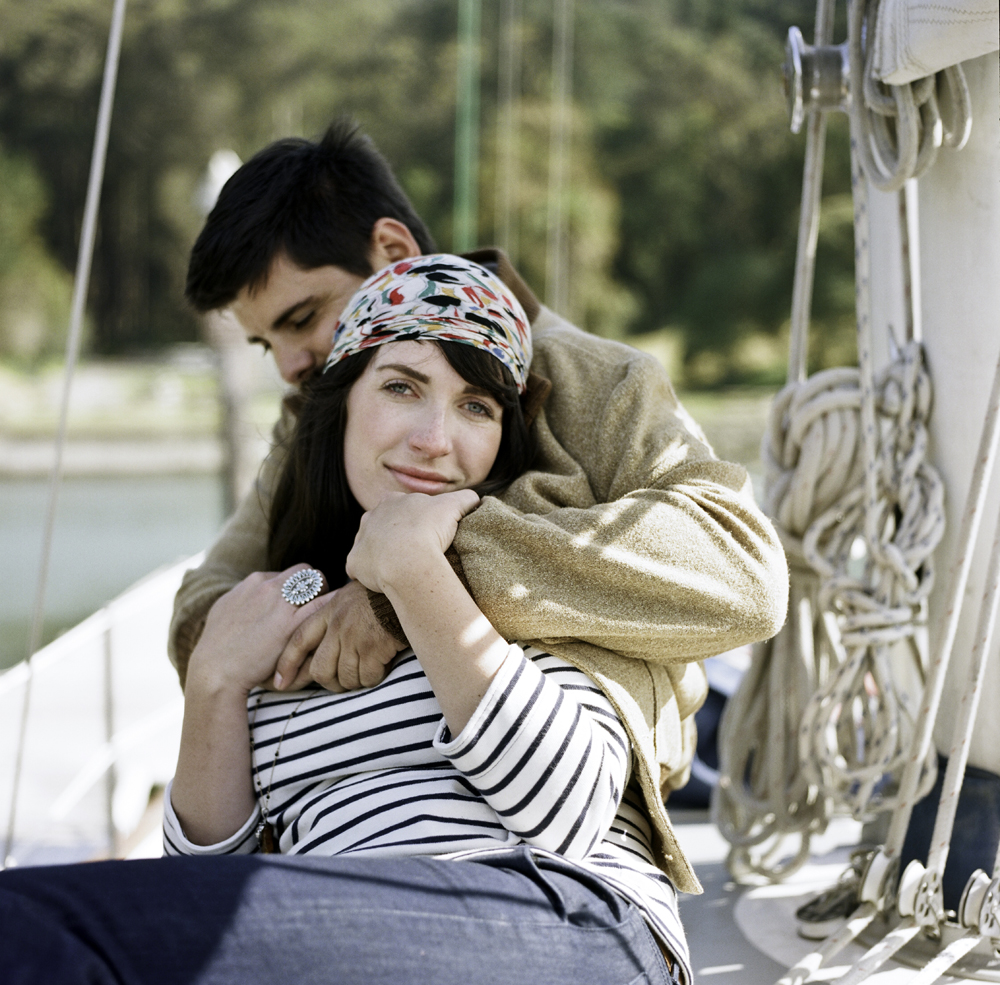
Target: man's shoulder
column 563, row 351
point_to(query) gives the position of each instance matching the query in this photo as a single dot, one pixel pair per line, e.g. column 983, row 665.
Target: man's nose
column 295, row 364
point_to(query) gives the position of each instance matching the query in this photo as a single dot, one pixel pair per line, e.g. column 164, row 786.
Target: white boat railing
column 103, row 726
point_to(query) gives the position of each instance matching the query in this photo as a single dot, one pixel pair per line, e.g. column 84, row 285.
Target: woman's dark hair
column 314, row 516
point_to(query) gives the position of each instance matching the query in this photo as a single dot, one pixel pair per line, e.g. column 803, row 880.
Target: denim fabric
column 974, row 837
column 242, row 920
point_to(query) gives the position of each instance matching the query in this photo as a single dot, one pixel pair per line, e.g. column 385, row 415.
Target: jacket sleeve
column 629, row 534
column 240, row 549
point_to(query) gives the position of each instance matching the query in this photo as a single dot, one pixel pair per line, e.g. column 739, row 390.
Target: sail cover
column 914, row 38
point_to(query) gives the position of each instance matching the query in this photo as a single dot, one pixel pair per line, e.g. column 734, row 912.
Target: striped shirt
column 544, row 761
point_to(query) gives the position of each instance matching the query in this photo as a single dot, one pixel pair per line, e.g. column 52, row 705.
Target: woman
column 471, row 817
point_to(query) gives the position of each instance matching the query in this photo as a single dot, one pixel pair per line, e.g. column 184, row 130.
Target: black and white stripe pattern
column 544, row 761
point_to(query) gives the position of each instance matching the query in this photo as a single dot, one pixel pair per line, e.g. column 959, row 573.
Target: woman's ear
column 391, row 241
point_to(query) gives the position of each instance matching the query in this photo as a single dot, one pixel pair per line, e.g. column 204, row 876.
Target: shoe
column 824, row 914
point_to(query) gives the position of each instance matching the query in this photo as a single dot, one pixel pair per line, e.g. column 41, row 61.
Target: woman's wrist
column 414, row 572
column 209, row 677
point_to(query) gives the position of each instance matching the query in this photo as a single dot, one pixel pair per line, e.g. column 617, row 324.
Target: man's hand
column 341, row 646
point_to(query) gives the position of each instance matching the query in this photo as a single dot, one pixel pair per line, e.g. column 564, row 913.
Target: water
column 109, row 532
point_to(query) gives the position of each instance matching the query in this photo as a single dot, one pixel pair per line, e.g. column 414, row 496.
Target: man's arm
column 629, row 534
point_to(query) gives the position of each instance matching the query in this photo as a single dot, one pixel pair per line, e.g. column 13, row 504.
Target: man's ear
column 391, row 242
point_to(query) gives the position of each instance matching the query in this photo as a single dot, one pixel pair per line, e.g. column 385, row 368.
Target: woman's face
column 414, row 425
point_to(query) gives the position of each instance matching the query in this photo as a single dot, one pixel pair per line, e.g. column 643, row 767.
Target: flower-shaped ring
column 303, row 586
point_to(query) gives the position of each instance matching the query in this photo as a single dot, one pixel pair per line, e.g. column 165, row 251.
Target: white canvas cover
column 914, row 38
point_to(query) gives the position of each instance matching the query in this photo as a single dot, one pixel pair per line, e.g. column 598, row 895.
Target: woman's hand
column 246, row 631
column 402, row 529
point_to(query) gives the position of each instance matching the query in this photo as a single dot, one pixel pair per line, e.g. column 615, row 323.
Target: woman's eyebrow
column 421, row 378
column 406, row 370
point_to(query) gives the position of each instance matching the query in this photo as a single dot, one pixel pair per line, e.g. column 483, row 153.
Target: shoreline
column 33, row 459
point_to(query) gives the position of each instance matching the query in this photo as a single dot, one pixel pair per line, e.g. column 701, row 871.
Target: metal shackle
column 815, row 78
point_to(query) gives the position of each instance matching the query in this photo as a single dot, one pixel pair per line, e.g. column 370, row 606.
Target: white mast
column 960, row 263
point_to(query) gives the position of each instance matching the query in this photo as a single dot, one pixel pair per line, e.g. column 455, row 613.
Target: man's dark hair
column 316, row 202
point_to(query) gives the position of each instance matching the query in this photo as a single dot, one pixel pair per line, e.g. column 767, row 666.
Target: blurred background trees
column 684, row 179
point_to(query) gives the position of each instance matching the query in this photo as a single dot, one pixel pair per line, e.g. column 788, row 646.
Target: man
column 628, row 538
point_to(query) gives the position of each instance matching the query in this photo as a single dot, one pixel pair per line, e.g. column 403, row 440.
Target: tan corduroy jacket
column 629, row 550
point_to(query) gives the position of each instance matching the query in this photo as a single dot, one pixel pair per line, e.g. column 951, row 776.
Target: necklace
column 265, row 830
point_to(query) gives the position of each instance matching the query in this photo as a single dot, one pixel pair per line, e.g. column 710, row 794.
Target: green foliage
column 34, row 289
column 685, row 181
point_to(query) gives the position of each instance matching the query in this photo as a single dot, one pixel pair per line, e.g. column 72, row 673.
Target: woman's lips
column 419, row 480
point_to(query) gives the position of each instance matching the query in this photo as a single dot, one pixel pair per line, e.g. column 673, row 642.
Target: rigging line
column 958, row 579
column 466, row 208
column 508, row 130
column 557, row 253
column 909, row 230
column 812, row 188
column 958, row 755
column 84, row 258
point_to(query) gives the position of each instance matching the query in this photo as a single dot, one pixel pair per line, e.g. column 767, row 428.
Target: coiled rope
column 902, row 127
column 820, row 724
column 859, row 723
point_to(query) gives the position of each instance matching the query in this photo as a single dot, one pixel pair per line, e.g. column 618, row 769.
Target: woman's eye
column 398, row 386
column 480, row 409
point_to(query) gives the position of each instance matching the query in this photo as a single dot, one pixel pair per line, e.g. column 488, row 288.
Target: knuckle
column 348, row 675
column 371, row 673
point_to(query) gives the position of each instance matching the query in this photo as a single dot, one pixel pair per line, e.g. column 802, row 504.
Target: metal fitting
column 980, row 906
column 815, row 78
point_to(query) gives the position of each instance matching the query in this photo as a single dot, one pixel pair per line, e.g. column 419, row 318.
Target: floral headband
column 440, row 297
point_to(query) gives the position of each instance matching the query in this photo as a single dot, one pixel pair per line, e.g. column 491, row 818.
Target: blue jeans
column 272, row 920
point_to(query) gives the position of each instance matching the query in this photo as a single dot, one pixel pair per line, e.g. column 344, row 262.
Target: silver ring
column 303, row 586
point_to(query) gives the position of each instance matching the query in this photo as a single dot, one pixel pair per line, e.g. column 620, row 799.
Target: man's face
column 294, row 313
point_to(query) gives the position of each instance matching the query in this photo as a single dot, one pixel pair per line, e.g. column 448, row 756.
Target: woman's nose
column 430, row 437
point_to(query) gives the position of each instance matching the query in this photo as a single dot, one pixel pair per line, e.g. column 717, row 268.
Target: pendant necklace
column 265, row 830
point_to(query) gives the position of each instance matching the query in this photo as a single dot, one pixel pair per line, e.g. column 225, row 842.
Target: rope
column 826, row 678
column 820, row 724
column 938, row 664
column 881, row 952
column 858, row 724
column 81, row 282
column 958, row 754
column 807, row 966
column 466, row 210
column 557, row 254
column 762, row 795
column 902, row 127
column 508, row 129
column 812, row 188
